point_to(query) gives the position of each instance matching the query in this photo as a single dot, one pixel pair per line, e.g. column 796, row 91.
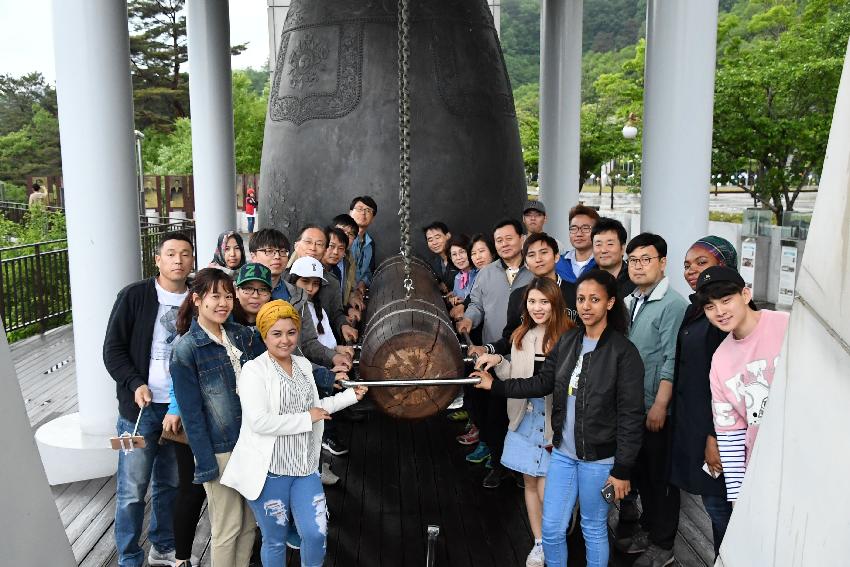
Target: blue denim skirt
column 525, row 449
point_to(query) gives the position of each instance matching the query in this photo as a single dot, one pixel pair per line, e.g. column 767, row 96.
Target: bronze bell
column 332, row 126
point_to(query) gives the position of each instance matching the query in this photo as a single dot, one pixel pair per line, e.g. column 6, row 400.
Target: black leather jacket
column 610, row 414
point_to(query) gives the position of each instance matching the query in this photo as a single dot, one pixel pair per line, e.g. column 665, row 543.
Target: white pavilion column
column 211, row 100
column 560, row 111
column 681, row 40
column 94, row 93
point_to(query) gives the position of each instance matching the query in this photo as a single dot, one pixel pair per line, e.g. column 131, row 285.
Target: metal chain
column 404, row 138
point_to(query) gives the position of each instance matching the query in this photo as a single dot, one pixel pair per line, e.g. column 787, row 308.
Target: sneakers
column 638, row 543
column 480, row 454
column 293, row 540
column 333, row 446
column 535, row 558
column 158, row 558
column 655, row 557
column 459, row 415
column 493, row 478
column 469, row 438
column 327, row 476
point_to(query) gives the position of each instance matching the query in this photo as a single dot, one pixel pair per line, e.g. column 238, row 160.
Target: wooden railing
column 35, row 286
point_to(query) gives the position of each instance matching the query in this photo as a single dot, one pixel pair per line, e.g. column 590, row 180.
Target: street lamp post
column 141, row 173
column 630, row 132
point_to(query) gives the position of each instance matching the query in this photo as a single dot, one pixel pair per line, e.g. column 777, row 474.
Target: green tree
column 610, row 25
column 520, row 39
column 527, row 102
column 20, row 96
column 618, row 96
column 171, row 153
column 34, row 149
column 157, row 55
column 775, row 91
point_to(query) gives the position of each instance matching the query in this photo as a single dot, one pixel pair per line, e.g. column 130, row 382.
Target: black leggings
column 188, row 503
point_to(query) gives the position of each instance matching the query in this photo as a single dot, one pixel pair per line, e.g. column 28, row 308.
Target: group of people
column 609, row 385
column 598, row 382
column 231, row 375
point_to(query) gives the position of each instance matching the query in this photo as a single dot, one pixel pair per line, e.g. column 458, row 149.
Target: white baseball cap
column 307, row 267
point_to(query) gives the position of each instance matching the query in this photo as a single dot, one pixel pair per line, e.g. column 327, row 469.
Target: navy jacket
column 691, row 416
column 205, row 387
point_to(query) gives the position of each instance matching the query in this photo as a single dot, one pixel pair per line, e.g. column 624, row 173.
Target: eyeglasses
column 316, row 243
column 274, row 252
column 259, row 292
column 364, row 210
column 585, row 228
column 645, row 260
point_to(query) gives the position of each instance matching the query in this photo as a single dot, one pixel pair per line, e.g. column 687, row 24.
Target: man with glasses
column 363, row 210
column 579, row 260
column 656, row 312
column 270, row 248
column 312, row 242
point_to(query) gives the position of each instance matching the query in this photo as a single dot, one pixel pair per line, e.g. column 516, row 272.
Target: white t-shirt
column 327, row 337
column 578, row 265
column 164, row 333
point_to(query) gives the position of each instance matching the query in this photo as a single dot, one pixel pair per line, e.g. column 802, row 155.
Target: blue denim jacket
column 205, row 389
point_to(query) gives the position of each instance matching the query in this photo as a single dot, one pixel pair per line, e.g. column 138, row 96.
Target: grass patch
column 720, row 216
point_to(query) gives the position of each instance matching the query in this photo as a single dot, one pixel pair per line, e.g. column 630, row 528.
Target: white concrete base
column 69, row 455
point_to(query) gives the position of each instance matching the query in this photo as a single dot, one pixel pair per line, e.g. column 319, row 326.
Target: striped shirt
column 733, row 457
column 293, row 455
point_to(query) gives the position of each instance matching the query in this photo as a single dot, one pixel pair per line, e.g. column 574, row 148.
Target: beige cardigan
column 521, row 365
column 259, row 393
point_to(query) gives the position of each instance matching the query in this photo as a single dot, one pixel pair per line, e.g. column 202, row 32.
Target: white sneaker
column 159, row 559
column 535, row 558
column 328, row 477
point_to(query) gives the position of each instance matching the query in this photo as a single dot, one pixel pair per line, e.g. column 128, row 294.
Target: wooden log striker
column 409, row 338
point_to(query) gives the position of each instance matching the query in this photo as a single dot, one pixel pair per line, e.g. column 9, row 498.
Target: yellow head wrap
column 272, row 312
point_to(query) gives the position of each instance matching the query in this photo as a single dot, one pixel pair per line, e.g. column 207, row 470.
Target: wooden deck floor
column 398, row 478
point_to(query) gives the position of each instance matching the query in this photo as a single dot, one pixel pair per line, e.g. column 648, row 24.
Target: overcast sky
column 26, row 35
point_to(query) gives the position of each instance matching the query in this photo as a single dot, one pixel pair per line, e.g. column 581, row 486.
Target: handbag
column 179, row 437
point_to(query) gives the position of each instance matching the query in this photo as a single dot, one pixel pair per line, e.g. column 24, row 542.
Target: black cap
column 719, row 274
column 534, row 205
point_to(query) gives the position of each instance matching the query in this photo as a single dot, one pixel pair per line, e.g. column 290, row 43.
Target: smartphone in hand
column 608, row 493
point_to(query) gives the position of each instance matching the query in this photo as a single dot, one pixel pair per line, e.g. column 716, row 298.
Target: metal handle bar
column 408, row 382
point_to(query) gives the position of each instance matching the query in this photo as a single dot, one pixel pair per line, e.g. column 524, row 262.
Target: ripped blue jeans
column 305, row 498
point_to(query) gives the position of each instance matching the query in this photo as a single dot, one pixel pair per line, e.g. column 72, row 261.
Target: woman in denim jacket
column 205, row 363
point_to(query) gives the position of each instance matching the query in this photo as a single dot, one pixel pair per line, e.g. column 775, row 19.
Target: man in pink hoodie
column 742, row 367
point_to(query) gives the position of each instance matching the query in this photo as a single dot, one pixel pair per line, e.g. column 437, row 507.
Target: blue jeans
column 569, row 479
column 719, row 510
column 155, row 465
column 251, row 224
column 304, row 497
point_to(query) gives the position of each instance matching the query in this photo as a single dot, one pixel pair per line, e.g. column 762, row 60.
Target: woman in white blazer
column 275, row 462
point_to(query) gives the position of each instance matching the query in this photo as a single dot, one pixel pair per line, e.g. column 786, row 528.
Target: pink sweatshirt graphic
column 741, row 375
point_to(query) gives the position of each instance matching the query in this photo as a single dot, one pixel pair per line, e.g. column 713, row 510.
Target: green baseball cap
column 254, row 272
